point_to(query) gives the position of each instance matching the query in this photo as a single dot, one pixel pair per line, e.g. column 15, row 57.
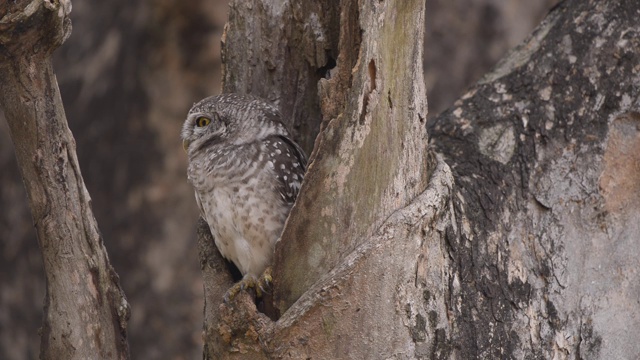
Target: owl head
column 230, row 119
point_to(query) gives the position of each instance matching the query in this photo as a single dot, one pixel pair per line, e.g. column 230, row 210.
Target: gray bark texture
column 545, row 154
column 518, row 239
column 85, row 310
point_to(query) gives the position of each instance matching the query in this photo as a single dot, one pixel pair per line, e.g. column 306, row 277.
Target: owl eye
column 202, row 121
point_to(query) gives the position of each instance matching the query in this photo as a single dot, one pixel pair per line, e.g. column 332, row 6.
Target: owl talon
column 261, row 285
column 247, row 282
column 265, row 281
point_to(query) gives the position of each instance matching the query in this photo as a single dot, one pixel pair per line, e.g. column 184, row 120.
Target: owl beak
column 185, row 145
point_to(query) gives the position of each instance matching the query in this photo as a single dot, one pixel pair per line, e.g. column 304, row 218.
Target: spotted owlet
column 246, row 172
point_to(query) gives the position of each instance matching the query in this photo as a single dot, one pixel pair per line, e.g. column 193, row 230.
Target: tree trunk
column 545, row 155
column 519, row 241
column 365, row 187
column 85, row 309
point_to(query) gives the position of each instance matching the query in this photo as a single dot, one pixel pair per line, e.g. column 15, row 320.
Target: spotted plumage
column 246, row 172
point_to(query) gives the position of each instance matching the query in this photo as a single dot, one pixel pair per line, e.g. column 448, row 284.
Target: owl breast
column 245, row 211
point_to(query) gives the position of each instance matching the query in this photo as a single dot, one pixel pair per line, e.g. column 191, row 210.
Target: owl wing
column 290, row 163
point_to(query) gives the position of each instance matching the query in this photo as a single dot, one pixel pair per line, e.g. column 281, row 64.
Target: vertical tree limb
column 85, row 308
column 371, row 156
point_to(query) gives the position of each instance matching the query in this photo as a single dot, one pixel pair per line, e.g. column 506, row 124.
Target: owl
column 246, row 172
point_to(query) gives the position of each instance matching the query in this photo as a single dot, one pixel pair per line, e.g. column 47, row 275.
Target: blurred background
column 128, row 74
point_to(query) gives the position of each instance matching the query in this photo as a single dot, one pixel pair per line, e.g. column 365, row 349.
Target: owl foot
column 265, row 281
column 249, row 281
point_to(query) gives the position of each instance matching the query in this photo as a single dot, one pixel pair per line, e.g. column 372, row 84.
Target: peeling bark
column 85, row 310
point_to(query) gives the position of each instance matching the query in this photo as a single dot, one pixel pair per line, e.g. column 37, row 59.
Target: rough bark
column 544, row 152
column 85, row 310
column 365, row 188
column 524, row 243
column 370, row 158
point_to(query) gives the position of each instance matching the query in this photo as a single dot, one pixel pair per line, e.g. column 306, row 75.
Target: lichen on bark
column 540, row 257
